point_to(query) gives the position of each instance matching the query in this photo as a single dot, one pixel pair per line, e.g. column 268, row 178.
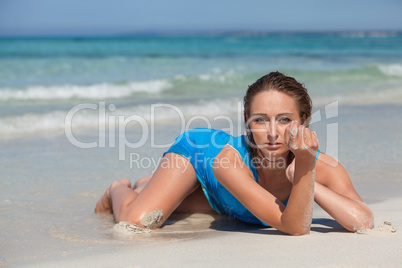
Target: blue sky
column 103, row 17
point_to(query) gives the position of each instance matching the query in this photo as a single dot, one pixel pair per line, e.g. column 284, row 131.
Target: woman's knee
column 160, row 195
column 147, row 219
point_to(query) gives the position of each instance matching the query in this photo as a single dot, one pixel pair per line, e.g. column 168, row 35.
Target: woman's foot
column 104, row 204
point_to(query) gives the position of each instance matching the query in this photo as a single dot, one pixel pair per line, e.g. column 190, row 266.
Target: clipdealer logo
column 116, row 125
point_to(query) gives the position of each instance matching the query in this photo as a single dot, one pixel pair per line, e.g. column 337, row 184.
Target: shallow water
column 42, row 79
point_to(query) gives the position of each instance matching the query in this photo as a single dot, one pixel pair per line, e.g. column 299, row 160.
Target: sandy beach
column 223, row 242
column 51, row 221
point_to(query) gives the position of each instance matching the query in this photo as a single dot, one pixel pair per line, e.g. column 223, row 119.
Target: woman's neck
column 272, row 164
column 275, row 181
column 271, row 172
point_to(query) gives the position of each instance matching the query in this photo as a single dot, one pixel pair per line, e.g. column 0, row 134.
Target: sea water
column 42, row 79
column 78, row 113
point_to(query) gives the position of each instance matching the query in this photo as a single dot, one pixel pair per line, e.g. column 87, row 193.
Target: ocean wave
column 391, row 69
column 228, row 81
column 15, row 126
column 93, row 116
column 377, row 34
column 92, row 92
column 372, row 72
column 384, row 96
column 370, row 97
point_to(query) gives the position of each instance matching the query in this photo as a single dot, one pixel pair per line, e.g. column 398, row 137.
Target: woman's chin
column 274, row 156
column 273, row 161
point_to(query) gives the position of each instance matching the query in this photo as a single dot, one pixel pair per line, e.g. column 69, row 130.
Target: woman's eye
column 260, row 120
column 284, row 120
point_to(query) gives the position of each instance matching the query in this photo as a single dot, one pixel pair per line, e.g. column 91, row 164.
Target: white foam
column 392, row 69
column 217, row 75
column 202, row 108
column 378, row 34
column 97, row 91
column 54, row 122
column 165, row 113
column 386, row 96
column 31, row 123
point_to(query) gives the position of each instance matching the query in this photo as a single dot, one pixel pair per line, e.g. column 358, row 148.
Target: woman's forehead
column 273, row 102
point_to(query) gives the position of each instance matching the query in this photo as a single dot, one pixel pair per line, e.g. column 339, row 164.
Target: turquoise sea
column 78, row 113
column 41, row 79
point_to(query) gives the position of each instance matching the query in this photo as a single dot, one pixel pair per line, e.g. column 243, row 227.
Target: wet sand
column 203, row 241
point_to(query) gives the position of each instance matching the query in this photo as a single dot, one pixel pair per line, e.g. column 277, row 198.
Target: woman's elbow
column 298, row 230
column 362, row 221
column 304, row 231
column 367, row 223
column 294, row 227
column 299, row 233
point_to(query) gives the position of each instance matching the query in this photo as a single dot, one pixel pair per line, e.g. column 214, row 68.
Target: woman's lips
column 273, row 145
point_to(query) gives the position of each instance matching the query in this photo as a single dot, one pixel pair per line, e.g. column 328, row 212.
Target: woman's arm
column 352, row 214
column 295, row 218
column 334, row 192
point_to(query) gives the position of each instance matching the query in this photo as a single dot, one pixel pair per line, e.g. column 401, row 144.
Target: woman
column 271, row 176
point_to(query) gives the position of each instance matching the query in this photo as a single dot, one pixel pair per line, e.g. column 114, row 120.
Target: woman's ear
column 246, row 117
column 247, row 125
column 304, row 118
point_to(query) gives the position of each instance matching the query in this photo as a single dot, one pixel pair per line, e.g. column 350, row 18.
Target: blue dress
column 200, row 146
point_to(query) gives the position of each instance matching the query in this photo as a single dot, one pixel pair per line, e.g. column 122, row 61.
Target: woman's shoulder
column 327, row 167
column 230, row 162
column 331, row 173
column 230, row 153
column 325, row 161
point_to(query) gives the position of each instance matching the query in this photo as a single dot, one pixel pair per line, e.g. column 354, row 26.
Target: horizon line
column 374, row 32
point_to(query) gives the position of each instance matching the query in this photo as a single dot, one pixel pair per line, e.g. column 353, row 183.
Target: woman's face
column 270, row 113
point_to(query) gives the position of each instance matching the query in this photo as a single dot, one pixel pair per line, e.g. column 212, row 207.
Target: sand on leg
column 173, row 181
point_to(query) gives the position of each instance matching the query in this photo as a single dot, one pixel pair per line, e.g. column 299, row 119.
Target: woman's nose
column 271, row 129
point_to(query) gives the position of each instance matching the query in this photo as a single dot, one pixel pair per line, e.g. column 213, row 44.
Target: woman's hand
column 302, row 142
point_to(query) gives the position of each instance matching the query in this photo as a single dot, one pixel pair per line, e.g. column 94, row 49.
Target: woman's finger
column 306, row 138
column 286, row 137
column 298, row 144
column 294, row 135
column 314, row 140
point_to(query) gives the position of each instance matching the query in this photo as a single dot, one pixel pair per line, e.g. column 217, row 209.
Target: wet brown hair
column 281, row 83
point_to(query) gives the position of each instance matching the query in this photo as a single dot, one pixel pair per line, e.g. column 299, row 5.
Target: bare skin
column 275, row 118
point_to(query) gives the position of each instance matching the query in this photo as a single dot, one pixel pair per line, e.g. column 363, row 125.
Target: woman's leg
column 141, row 183
column 172, row 182
column 196, row 202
